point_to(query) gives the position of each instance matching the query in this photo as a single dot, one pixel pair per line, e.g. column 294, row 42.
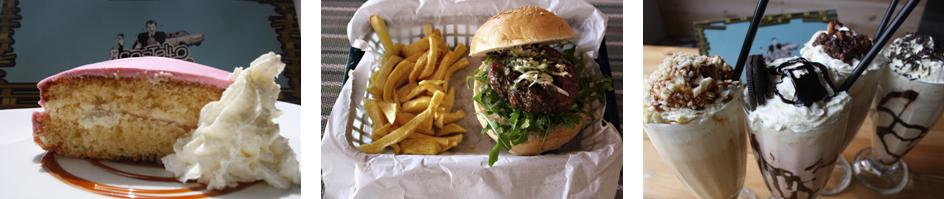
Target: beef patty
column 525, row 94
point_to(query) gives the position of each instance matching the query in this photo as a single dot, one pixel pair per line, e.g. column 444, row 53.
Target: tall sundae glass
column 694, row 118
column 840, row 49
column 908, row 102
column 797, row 124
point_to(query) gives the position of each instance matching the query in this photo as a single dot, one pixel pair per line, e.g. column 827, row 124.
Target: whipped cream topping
column 237, row 139
column 915, row 57
column 688, row 87
column 816, row 52
column 779, row 114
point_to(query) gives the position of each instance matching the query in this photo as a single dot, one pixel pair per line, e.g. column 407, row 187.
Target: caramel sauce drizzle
column 51, row 164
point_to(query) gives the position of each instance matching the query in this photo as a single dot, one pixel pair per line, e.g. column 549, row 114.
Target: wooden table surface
column 926, row 160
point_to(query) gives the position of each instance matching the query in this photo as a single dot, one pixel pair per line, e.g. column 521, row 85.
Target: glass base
column 885, row 179
column 746, row 194
column 840, row 179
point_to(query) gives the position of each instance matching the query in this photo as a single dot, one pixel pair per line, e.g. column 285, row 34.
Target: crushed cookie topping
column 690, row 81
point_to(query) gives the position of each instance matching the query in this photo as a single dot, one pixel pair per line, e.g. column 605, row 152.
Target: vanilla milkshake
column 797, row 125
column 908, row 102
column 694, row 118
column 910, row 98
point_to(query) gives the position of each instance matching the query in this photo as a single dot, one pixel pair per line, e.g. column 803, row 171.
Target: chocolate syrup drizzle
column 881, row 131
column 51, row 164
column 811, row 81
column 910, row 59
column 773, row 176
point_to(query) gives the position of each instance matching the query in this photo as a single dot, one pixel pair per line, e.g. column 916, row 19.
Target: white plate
column 22, row 174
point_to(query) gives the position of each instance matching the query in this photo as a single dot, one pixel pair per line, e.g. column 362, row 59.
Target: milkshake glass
column 841, row 49
column 909, row 101
column 797, row 133
column 705, row 145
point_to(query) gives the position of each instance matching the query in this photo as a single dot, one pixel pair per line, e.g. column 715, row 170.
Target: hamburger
column 532, row 93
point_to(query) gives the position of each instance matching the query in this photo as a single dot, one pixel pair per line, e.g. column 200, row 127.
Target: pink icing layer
column 173, row 69
column 160, row 67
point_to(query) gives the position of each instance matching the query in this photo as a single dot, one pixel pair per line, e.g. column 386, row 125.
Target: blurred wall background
column 669, row 22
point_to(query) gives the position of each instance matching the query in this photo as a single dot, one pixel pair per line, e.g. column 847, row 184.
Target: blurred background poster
column 39, row 38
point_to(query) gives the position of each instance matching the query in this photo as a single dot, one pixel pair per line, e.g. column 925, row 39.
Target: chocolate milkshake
column 840, row 49
column 797, row 124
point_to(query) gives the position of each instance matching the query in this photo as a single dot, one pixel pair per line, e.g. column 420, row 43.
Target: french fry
column 386, row 67
column 434, row 83
column 422, row 130
column 433, row 56
column 416, row 105
column 395, row 79
column 414, row 58
column 389, row 110
column 375, row 90
column 441, row 45
column 447, row 62
column 446, row 118
column 399, row 47
column 417, row 47
column 394, row 137
column 396, row 148
column 427, row 126
column 404, row 131
column 450, row 129
column 403, row 93
column 438, row 140
column 454, row 116
column 404, row 117
column 459, row 65
column 427, row 29
column 420, row 146
column 381, row 132
column 454, row 141
column 380, row 27
column 418, row 67
column 450, row 99
column 374, row 113
column 438, row 119
column 420, row 89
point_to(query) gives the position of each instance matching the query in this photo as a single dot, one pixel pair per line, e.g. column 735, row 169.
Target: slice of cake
column 125, row 109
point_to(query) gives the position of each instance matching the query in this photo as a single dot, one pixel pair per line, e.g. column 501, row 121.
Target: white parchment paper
column 588, row 167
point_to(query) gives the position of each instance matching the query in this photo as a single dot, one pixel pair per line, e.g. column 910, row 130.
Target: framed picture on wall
column 39, row 39
column 778, row 36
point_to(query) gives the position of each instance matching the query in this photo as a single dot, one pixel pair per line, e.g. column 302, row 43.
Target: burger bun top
column 519, row 26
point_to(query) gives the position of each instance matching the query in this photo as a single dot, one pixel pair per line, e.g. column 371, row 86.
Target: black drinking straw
column 882, row 39
column 749, row 38
column 884, row 23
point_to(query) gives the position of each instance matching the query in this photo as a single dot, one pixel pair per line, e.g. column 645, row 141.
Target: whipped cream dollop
column 785, row 110
column 915, row 57
column 688, row 87
column 840, row 50
column 237, row 139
